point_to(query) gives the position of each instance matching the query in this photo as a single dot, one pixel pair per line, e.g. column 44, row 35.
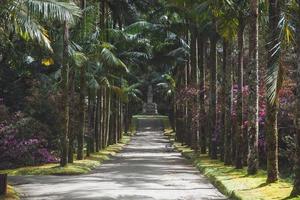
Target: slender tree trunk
column 121, row 119
column 202, row 123
column 100, row 121
column 193, row 77
column 272, row 107
column 126, row 118
column 296, row 189
column 253, row 91
column 228, row 106
column 65, row 98
column 97, row 116
column 223, row 100
column 72, row 116
column 213, row 98
column 80, row 137
column 105, row 113
column 108, row 115
column 91, row 115
column 233, row 106
column 239, row 133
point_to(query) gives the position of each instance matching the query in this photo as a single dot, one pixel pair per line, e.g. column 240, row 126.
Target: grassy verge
column 235, row 183
column 76, row 168
column 11, row 194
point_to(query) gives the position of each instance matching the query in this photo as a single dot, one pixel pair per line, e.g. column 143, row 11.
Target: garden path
column 145, row 170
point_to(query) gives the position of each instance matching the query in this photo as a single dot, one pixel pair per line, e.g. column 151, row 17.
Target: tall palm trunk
column 108, row 115
column 296, row 189
column 228, row 107
column 97, row 117
column 272, row 107
column 105, row 117
column 80, row 137
column 193, row 77
column 202, row 125
column 239, row 133
column 126, row 118
column 253, row 91
column 119, row 121
column 72, row 123
column 223, row 100
column 65, row 98
column 213, row 98
column 100, row 120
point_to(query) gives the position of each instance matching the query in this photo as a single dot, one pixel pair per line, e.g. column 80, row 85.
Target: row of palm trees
column 93, row 51
column 214, row 26
column 103, row 87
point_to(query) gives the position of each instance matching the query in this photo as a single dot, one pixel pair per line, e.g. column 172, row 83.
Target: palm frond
column 29, row 28
column 52, row 9
column 108, row 58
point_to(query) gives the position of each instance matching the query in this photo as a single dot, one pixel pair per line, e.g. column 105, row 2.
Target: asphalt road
column 146, row 169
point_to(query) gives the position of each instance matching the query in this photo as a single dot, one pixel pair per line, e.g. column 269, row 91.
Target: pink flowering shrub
column 22, row 142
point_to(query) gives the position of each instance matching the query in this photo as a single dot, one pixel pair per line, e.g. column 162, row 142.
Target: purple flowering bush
column 23, row 143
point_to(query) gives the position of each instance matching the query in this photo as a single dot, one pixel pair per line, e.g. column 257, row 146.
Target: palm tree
column 296, row 189
column 272, row 103
column 213, row 93
column 24, row 17
column 202, row 128
column 81, row 127
column 65, row 97
column 253, row 89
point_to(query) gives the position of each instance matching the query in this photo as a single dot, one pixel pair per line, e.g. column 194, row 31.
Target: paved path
column 144, row 170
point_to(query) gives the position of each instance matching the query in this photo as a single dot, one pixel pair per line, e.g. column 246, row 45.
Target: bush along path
column 235, row 183
column 146, row 169
column 78, row 167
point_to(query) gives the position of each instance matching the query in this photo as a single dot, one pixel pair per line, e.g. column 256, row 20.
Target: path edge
column 191, row 157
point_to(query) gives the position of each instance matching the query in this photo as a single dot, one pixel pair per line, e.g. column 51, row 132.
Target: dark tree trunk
column 108, row 115
column 3, row 184
column 104, row 117
column 213, row 98
column 72, row 121
column 296, row 189
column 253, row 91
column 193, row 77
column 223, row 100
column 272, row 107
column 239, row 134
column 228, row 106
column 97, row 117
column 65, row 98
column 80, row 137
column 100, row 121
column 202, row 122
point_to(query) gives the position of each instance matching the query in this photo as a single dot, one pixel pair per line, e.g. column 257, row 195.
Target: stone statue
column 150, row 94
column 150, row 108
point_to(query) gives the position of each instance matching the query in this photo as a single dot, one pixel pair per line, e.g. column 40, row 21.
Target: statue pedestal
column 150, row 109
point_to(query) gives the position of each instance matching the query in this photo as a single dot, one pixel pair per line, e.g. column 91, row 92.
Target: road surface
column 145, row 170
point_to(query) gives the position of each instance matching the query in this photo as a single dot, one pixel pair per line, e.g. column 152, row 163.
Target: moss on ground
column 11, row 194
column 234, row 183
column 76, row 168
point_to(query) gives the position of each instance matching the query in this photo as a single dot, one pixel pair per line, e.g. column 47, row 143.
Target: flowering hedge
column 23, row 143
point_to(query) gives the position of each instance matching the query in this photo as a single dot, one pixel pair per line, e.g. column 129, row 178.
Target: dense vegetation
column 227, row 72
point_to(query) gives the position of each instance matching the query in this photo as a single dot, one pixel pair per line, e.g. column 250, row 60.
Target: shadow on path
column 144, row 170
